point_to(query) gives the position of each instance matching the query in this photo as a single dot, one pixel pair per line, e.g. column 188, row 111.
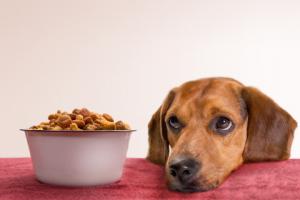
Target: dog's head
column 212, row 126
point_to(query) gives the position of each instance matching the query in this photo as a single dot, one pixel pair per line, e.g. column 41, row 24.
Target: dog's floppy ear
column 158, row 141
column 270, row 128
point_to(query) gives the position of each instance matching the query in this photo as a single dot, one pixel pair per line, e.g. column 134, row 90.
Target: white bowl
column 78, row 158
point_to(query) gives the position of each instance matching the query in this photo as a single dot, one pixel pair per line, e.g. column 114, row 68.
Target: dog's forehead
column 207, row 94
column 208, row 87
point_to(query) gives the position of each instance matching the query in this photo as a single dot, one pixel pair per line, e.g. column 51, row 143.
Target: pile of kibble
column 80, row 119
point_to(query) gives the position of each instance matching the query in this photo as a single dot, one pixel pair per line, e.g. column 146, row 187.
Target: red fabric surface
column 144, row 180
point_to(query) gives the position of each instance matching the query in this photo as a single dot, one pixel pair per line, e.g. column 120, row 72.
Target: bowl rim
column 77, row 131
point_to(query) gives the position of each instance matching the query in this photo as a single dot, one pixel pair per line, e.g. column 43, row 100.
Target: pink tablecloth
column 144, row 180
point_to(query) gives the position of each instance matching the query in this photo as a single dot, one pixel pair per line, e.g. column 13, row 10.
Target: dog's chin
column 193, row 187
column 186, row 189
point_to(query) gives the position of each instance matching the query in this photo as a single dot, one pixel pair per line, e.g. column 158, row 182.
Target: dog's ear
column 270, row 128
column 158, row 140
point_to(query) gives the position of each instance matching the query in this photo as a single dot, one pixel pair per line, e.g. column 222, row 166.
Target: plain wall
column 122, row 57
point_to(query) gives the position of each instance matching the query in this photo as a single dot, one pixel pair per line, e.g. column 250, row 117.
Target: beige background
column 122, row 57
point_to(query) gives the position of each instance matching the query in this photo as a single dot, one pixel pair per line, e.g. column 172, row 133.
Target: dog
column 212, row 126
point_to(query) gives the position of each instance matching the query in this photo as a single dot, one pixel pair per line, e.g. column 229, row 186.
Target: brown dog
column 214, row 125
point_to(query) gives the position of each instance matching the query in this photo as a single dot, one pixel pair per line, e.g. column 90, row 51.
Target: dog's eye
column 222, row 125
column 174, row 123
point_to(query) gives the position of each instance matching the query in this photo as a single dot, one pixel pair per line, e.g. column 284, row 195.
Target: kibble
column 80, row 119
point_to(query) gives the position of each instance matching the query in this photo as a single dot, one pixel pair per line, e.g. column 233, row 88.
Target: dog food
column 80, row 119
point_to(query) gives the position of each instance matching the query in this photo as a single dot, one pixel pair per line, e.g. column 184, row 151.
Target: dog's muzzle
column 183, row 174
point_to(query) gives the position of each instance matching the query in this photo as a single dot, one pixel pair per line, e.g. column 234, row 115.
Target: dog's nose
column 184, row 170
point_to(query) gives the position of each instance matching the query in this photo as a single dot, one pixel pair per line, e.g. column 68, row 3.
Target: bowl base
column 76, row 186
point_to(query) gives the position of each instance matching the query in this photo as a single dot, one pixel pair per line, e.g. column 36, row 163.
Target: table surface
column 144, row 180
